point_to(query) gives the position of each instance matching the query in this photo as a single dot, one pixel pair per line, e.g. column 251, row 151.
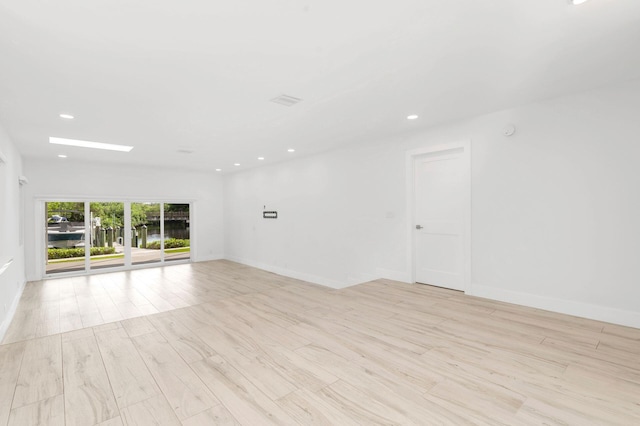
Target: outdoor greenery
column 176, row 207
column 74, row 212
column 59, row 253
column 111, row 213
column 168, row 244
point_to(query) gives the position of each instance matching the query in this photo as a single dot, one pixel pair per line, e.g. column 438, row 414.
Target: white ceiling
column 166, row 75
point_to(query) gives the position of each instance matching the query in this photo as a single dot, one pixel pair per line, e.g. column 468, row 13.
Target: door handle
column 419, row 226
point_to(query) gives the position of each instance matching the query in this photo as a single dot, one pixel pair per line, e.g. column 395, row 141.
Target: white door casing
column 440, row 215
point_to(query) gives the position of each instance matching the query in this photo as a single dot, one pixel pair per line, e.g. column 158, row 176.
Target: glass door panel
column 176, row 232
column 160, row 233
column 107, row 235
column 65, row 232
column 145, row 235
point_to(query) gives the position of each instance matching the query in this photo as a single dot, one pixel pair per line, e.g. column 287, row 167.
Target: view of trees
column 176, row 207
column 74, row 212
column 110, row 213
column 158, row 241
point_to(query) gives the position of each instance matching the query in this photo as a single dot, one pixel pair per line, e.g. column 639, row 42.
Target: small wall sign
column 270, row 215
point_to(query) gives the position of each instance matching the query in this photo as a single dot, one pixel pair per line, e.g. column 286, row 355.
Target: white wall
column 13, row 278
column 332, row 227
column 554, row 207
column 59, row 179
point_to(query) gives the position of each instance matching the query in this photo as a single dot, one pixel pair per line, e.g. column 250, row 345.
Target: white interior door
column 441, row 204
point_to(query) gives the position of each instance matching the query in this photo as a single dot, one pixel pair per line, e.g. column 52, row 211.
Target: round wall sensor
column 509, row 130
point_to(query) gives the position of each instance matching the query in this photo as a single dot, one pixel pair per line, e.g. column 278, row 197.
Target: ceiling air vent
column 286, row 100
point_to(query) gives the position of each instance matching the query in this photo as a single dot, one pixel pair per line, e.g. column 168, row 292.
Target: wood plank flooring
column 222, row 343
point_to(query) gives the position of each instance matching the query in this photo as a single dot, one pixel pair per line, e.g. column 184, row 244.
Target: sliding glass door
column 64, row 237
column 176, row 232
column 107, row 235
column 145, row 240
column 92, row 235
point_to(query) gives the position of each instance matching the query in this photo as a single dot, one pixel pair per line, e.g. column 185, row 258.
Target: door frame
column 410, row 157
column 40, row 234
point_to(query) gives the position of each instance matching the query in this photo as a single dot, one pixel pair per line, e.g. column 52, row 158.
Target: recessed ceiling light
column 412, row 117
column 291, row 150
column 62, row 156
column 286, row 100
column 88, row 144
column 67, row 116
column 236, row 164
column 260, row 158
column 577, row 2
column 218, row 170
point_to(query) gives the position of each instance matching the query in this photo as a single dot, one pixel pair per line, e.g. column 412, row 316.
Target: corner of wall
column 315, row 279
column 209, row 258
column 352, row 280
column 388, row 274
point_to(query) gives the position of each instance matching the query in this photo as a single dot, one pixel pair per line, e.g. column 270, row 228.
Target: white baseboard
column 389, row 274
column 579, row 309
column 209, row 258
column 315, row 279
column 11, row 312
column 360, row 279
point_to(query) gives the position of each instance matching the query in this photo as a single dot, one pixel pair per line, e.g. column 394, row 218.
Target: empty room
column 309, row 212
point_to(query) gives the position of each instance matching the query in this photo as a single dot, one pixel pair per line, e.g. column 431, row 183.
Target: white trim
column 92, row 198
column 388, row 274
column 193, row 238
column 88, row 227
column 410, row 157
column 315, row 279
column 11, row 312
column 568, row 307
column 162, row 232
column 128, row 262
column 39, row 243
column 209, row 258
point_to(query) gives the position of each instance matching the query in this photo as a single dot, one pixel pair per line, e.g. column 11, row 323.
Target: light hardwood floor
column 222, row 343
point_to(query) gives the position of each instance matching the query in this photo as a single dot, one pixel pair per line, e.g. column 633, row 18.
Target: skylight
column 88, row 144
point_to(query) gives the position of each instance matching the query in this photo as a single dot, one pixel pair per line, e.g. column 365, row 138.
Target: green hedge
column 168, row 244
column 58, row 253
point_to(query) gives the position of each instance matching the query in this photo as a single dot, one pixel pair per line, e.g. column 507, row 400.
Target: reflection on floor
column 222, row 343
